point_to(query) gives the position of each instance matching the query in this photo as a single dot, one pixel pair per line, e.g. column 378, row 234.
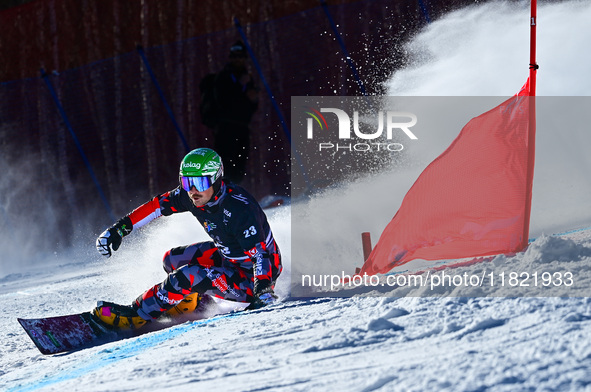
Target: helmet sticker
column 211, row 165
column 194, row 165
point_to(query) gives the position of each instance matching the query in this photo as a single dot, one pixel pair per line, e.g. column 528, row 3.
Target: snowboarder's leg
column 202, row 253
column 223, row 282
column 195, row 269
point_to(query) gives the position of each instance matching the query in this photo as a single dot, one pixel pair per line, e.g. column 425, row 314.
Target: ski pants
column 200, row 268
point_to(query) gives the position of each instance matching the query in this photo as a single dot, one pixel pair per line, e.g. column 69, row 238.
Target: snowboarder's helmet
column 200, row 168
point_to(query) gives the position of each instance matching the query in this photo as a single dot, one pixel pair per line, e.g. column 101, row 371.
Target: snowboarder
column 241, row 264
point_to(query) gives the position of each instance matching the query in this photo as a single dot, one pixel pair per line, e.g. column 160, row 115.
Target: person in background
column 229, row 101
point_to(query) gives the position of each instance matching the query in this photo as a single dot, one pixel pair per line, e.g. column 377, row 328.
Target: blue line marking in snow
column 115, row 354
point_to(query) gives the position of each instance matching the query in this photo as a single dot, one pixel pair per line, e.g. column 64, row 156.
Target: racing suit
column 241, row 262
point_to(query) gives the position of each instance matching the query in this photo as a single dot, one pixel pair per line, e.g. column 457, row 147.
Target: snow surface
column 456, row 340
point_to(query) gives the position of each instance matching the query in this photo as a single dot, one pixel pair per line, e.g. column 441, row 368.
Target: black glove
column 111, row 238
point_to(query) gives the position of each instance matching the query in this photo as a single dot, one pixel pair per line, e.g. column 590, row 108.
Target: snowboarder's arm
column 261, row 260
column 253, row 239
column 263, row 280
column 165, row 204
column 244, row 219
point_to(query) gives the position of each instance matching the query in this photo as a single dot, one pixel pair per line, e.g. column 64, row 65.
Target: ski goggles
column 200, row 183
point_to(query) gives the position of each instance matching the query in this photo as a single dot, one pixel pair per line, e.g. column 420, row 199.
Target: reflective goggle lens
column 200, row 183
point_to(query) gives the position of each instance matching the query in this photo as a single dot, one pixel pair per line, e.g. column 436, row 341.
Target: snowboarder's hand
column 263, row 300
column 109, row 239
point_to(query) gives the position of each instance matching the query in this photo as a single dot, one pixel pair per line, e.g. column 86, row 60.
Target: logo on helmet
column 194, row 165
column 211, row 165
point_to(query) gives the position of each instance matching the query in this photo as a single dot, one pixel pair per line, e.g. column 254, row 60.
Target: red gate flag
column 474, row 199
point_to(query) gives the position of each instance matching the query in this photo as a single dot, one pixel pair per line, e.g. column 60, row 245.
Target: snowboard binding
column 117, row 317
column 122, row 317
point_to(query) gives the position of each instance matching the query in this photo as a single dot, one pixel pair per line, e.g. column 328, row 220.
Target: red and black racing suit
column 241, row 263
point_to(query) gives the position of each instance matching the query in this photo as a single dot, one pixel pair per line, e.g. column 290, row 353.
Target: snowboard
column 54, row 335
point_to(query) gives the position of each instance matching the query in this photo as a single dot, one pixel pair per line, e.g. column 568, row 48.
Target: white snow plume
column 328, row 226
column 481, row 50
column 280, row 222
column 34, row 225
column 16, row 242
column 484, row 50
